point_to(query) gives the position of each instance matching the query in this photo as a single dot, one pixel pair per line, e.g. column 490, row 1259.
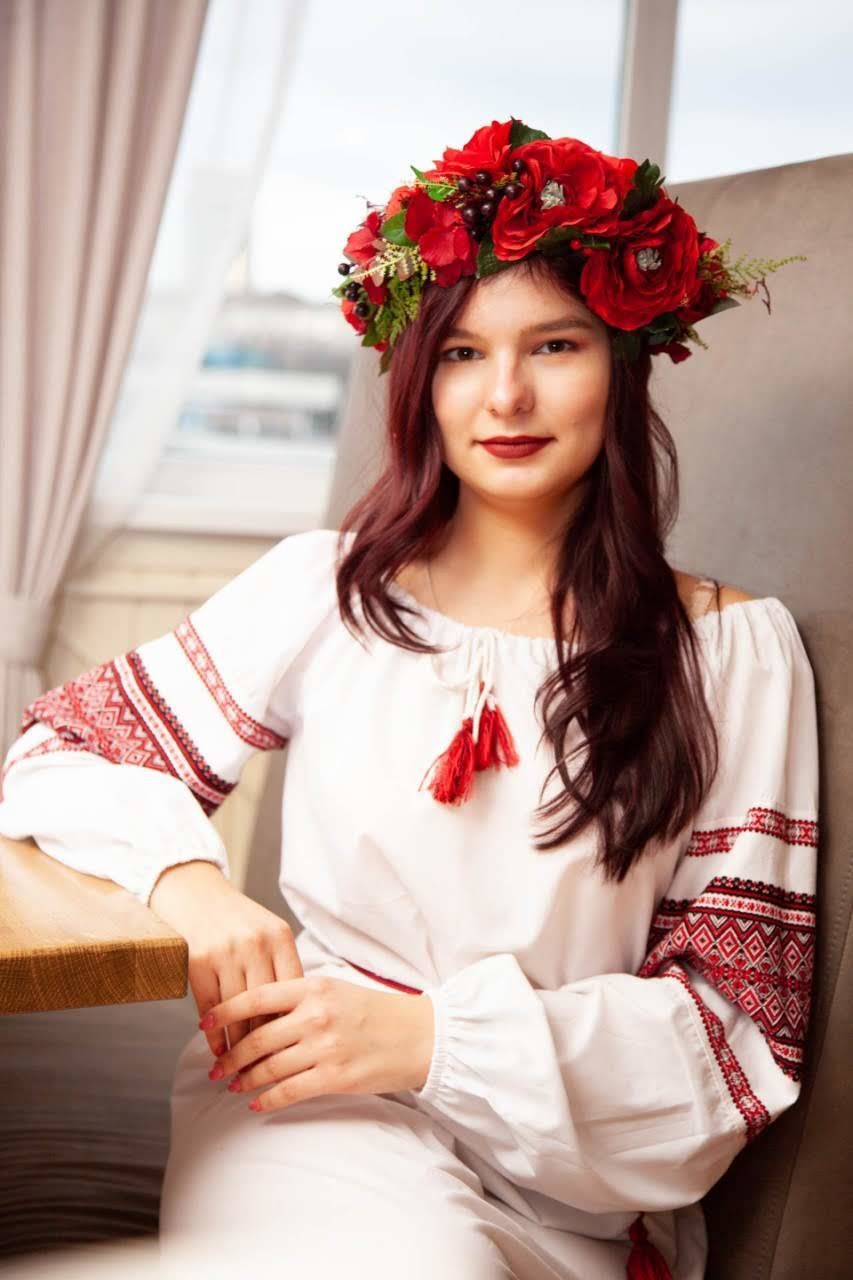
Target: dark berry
column 492, row 193
column 352, row 290
column 464, row 184
column 470, row 214
column 512, row 190
column 344, row 268
column 487, row 209
column 362, row 308
column 482, row 178
column 517, row 166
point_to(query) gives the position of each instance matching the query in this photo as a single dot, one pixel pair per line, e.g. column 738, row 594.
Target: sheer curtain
column 238, row 95
column 92, row 96
column 98, row 338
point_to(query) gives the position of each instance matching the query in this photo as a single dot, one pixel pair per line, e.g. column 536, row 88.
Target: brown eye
column 556, row 342
column 446, row 354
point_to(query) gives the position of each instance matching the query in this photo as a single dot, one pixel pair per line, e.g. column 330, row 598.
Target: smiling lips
column 514, row 446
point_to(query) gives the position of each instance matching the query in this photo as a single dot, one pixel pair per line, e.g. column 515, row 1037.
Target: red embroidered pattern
column 755, row 943
column 755, row 1114
column 257, row 735
column 769, row 822
column 115, row 711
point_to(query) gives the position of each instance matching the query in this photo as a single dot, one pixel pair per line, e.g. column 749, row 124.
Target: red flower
column 444, row 241
column 359, row 323
column 706, row 294
column 360, row 247
column 650, row 270
column 488, row 149
column 594, row 186
column 397, row 200
column 675, row 350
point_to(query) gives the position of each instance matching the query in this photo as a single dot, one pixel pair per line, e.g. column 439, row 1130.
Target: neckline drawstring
column 478, row 678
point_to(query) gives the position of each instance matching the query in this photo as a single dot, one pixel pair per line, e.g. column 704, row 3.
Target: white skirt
column 362, row 1185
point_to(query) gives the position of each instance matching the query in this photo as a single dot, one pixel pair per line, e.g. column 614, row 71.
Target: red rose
column 488, row 149
column 648, row 271
column 444, row 241
column 589, row 185
column 360, row 246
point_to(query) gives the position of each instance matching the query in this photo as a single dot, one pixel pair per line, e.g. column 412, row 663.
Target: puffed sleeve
column 635, row 1091
column 117, row 772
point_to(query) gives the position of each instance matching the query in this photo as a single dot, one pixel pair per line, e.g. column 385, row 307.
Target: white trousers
column 357, row 1185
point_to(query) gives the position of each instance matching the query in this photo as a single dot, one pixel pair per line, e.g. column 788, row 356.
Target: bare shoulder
column 698, row 601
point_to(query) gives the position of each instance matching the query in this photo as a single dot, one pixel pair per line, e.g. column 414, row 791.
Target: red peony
column 488, row 148
column 593, row 185
column 650, row 270
column 444, row 241
column 360, row 247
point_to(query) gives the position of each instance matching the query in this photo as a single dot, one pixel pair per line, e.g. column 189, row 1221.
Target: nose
column 510, row 390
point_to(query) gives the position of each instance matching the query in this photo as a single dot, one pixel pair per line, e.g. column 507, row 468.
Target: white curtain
column 244, row 68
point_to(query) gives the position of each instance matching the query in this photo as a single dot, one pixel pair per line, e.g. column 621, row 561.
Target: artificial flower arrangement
column 647, row 271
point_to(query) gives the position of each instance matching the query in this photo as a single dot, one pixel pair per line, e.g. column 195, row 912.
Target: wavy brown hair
column 634, row 686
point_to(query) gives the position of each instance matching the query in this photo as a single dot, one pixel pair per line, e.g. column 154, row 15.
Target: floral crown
column 512, row 191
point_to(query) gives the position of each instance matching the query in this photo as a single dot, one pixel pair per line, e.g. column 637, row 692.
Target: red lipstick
column 514, row 446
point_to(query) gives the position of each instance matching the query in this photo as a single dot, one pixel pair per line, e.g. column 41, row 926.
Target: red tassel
column 646, row 1261
column 503, row 747
column 454, row 768
column 483, row 757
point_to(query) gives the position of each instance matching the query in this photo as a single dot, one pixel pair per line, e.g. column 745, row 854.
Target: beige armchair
column 762, row 424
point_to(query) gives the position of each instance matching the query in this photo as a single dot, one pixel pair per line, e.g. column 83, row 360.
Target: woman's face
column 522, row 359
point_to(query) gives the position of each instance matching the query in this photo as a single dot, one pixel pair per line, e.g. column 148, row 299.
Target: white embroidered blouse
column 600, row 1048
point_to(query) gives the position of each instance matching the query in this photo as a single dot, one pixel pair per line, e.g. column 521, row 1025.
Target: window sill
column 257, row 488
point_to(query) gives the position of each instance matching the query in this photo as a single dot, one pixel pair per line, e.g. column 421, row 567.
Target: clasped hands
column 333, row 1036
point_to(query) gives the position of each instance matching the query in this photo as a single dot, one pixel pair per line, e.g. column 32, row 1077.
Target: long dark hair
column 634, row 685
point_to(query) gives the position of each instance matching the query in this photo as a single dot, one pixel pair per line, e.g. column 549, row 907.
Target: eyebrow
column 549, row 326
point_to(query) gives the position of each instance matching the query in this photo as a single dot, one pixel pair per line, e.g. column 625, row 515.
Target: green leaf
column 371, row 335
column 628, row 343
column 521, row 133
column 434, row 189
column 487, row 262
column 723, row 304
column 392, row 229
column 644, row 191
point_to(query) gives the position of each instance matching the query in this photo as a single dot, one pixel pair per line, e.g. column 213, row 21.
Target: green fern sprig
column 744, row 276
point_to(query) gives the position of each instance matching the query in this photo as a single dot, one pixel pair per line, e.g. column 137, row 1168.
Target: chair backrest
column 761, row 421
column 762, row 425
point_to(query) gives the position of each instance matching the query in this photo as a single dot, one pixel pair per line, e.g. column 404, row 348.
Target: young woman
column 550, row 809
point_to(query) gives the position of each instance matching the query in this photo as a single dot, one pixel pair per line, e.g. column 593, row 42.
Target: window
column 253, row 445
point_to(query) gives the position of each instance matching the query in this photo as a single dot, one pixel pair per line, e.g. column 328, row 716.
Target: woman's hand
column 332, row 1036
column 234, row 943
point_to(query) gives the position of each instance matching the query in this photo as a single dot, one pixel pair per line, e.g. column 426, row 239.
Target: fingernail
column 216, row 1072
column 207, row 1022
column 219, row 1049
column 236, row 1085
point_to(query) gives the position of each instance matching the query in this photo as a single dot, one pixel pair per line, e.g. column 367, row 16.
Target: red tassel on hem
column 645, row 1261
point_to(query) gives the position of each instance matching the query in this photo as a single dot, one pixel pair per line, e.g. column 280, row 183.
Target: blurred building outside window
column 253, row 445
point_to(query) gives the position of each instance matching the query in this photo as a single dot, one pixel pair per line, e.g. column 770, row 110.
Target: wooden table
column 69, row 940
